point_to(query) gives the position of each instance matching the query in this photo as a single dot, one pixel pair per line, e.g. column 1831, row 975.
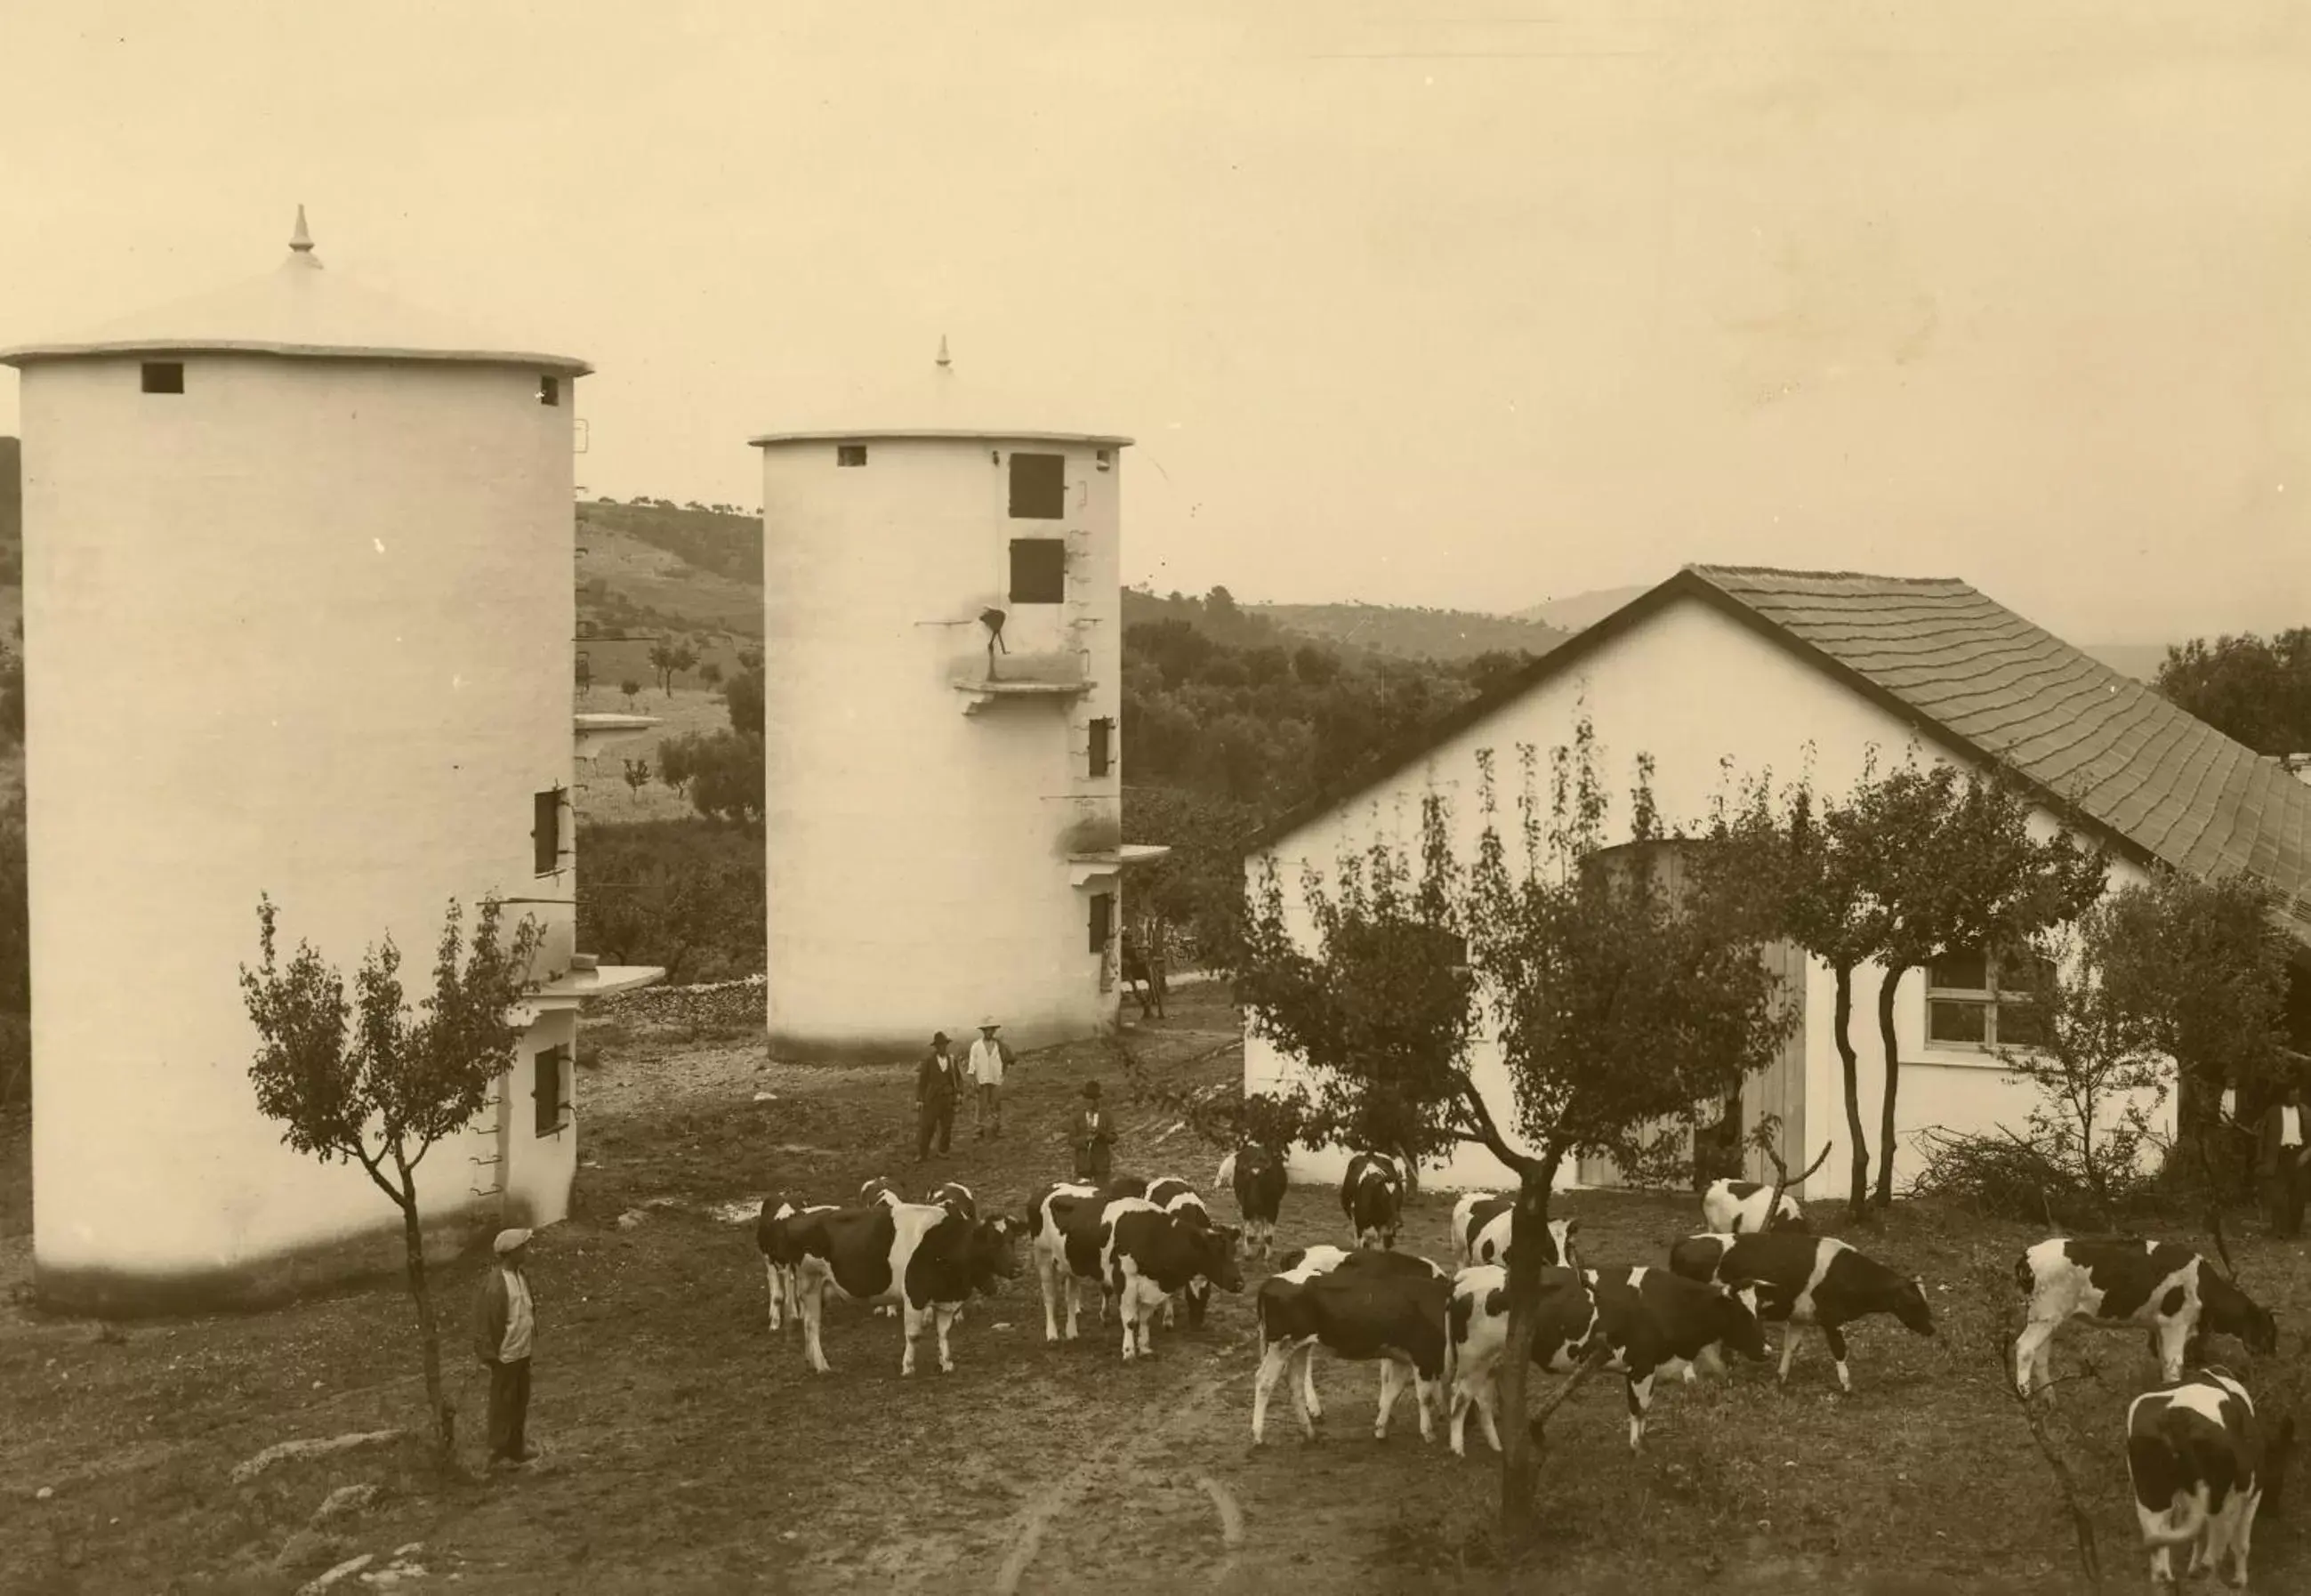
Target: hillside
column 1405, row 632
column 11, row 492
column 629, row 579
column 1575, row 611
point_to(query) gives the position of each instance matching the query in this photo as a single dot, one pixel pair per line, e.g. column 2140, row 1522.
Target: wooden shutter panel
column 1103, row 920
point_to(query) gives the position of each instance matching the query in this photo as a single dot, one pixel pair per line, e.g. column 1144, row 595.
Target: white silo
column 943, row 618
column 298, row 618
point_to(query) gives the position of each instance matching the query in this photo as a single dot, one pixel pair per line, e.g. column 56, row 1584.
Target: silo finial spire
column 300, row 240
column 943, row 362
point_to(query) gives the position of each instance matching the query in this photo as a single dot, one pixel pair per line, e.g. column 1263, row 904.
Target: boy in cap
column 936, row 1080
column 987, row 1060
column 1092, row 1137
column 503, row 1327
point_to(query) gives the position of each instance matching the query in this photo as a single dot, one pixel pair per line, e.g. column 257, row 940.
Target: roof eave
column 27, row 354
column 966, row 435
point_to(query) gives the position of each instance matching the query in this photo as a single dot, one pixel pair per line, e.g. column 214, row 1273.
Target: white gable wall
column 1693, row 687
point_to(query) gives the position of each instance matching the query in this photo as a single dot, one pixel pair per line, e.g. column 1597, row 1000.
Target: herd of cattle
column 2200, row 1459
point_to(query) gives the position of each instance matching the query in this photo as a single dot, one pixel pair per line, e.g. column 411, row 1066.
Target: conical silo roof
column 932, row 400
column 297, row 310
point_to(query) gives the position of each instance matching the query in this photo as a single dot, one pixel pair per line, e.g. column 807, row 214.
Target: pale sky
column 1473, row 303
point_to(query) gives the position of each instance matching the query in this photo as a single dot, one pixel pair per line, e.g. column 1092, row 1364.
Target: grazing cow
column 1480, row 1233
column 1257, row 1174
column 1051, row 1212
column 884, row 1190
column 926, row 1259
column 1652, row 1321
column 2201, row 1466
column 1176, row 1198
column 1365, row 1306
column 956, row 1196
column 2114, row 1281
column 1147, row 1254
column 1802, row 1279
column 1371, row 1196
column 1737, row 1208
column 774, row 1235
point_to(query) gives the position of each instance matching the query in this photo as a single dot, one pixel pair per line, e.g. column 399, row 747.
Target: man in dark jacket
column 2281, row 1145
column 503, row 1328
column 937, row 1080
column 1094, row 1137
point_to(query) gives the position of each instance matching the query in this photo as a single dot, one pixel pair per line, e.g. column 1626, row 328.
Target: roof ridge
column 1704, row 568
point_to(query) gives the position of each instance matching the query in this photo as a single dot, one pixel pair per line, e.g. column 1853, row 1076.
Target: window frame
column 549, row 390
column 556, row 1059
column 850, row 456
column 1026, row 497
column 1014, row 585
column 1101, row 754
column 1102, row 907
column 148, row 369
column 558, row 796
column 1989, row 999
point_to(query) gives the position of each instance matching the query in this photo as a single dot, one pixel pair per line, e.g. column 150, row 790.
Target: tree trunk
column 1886, row 990
column 1520, row 1461
column 1840, row 1019
column 429, row 1330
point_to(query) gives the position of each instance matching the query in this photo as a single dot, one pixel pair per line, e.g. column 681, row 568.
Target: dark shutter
column 1039, row 487
column 164, row 377
column 849, row 454
column 545, row 831
column 548, row 1091
column 1039, row 571
column 1103, row 920
column 1101, row 730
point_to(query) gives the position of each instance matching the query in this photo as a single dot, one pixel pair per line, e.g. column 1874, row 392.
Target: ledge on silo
column 256, row 1286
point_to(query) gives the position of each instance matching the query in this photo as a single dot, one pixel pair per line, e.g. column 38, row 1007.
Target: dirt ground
column 689, row 1448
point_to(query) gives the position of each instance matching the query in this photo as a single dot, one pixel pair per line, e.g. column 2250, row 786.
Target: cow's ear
column 1573, row 1227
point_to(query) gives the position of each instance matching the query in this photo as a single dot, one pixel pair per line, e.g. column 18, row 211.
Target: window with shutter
column 1039, row 487
column 1039, row 571
column 547, row 1094
column 545, row 831
column 1101, row 730
column 1103, row 920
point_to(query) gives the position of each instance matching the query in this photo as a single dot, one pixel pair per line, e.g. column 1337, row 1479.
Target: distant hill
column 1581, row 609
column 12, row 491
column 1406, row 632
column 661, row 569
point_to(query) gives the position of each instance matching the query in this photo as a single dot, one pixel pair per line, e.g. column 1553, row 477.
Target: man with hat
column 503, row 1326
column 1094, row 1136
column 2283, row 1161
column 989, row 1057
column 936, row 1080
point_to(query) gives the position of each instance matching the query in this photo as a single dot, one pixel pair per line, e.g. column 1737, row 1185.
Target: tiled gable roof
column 2159, row 783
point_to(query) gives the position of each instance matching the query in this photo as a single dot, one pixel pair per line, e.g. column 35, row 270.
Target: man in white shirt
column 504, row 1325
column 987, row 1061
column 2281, row 1143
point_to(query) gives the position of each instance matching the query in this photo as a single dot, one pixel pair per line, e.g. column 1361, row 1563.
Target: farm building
column 943, row 618
column 298, row 604
column 1772, row 671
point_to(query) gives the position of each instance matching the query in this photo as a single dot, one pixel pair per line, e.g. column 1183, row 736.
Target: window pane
column 2024, row 972
column 2021, row 1025
column 545, row 833
column 1039, row 487
column 1964, row 972
column 1956, row 1022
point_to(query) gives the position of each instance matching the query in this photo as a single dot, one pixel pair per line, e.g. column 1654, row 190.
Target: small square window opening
column 849, row 454
column 164, row 377
column 1039, row 487
column 1039, row 571
column 1103, row 753
column 549, row 390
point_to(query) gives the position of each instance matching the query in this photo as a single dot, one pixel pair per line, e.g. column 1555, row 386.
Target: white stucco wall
column 1691, row 687
column 917, row 855
column 303, row 629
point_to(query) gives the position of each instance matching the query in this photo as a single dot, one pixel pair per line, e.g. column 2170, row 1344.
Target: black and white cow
column 1371, row 1196
column 956, row 1196
column 2113, row 1282
column 1051, row 1212
column 1480, row 1233
column 1738, row 1208
column 1363, row 1305
column 882, row 1189
column 1652, row 1321
column 1802, row 1279
column 774, row 1237
column 1256, row 1176
column 1176, row 1198
column 923, row 1258
column 1146, row 1255
column 2200, row 1465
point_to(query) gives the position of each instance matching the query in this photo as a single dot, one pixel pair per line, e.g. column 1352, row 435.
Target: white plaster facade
column 301, row 628
column 1691, row 687
column 939, row 834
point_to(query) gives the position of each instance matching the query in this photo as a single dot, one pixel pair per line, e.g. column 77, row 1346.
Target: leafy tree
column 1616, row 1009
column 2255, row 689
column 683, row 894
column 1956, row 868
column 630, row 688
column 372, row 1084
column 670, row 660
column 637, row 775
column 722, row 771
column 711, row 675
column 742, row 694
